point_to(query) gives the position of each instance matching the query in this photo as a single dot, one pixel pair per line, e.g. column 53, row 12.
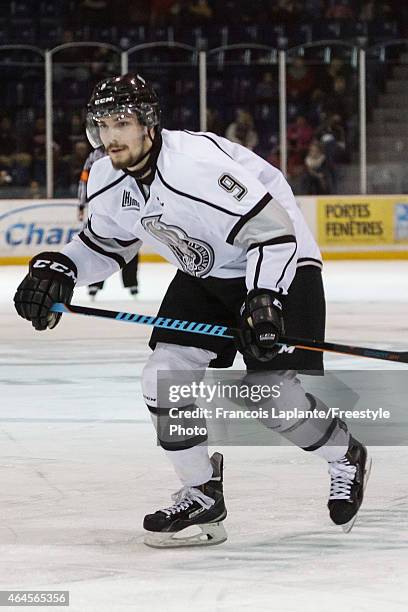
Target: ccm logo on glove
column 55, row 266
column 267, row 337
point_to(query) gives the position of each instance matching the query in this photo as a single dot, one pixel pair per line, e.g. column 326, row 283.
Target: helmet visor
column 147, row 114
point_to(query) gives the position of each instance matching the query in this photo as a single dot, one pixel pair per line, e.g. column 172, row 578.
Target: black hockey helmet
column 128, row 93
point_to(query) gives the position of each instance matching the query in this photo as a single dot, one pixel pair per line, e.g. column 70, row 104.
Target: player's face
column 124, row 139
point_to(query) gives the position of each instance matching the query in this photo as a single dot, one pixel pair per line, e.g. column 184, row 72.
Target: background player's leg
column 94, row 288
column 129, row 275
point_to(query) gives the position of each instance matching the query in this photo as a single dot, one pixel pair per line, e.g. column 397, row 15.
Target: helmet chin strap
column 140, row 159
column 147, row 168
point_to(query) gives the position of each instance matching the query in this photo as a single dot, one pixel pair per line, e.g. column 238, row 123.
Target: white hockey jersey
column 212, row 209
column 308, row 252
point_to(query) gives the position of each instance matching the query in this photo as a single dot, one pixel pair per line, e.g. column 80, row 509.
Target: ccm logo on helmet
column 103, row 100
column 55, row 266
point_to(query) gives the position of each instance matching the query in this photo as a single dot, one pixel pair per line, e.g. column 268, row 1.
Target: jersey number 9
column 230, row 184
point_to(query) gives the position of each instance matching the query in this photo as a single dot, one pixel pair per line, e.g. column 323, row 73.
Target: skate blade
column 347, row 527
column 209, row 535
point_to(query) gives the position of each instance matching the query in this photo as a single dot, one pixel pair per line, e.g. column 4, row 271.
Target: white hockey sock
column 192, row 465
column 336, row 447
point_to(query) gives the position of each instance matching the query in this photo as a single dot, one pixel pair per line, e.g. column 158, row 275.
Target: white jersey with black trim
column 204, row 212
column 308, row 252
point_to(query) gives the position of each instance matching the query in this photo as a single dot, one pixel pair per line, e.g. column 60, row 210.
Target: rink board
column 346, row 227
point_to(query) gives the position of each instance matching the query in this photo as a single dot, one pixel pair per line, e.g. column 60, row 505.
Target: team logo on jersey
column 129, row 202
column 195, row 256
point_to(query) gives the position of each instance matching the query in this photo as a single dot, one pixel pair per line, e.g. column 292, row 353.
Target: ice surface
column 79, row 468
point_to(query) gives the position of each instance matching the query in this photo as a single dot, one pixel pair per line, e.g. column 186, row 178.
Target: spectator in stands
column 384, row 10
column 313, row 9
column 332, row 136
column 5, row 177
column 95, row 12
column 229, row 12
column 8, row 140
column 340, row 9
column 161, row 11
column 336, row 68
column 296, row 105
column 287, row 11
column 300, row 79
column 266, row 91
column 8, row 146
column 254, row 11
column 34, row 191
column 368, row 11
column 242, row 130
column 199, row 12
column 266, row 105
column 317, row 176
column 387, row 10
column 339, row 101
column 37, row 151
column 300, row 133
column 72, row 133
column 315, row 112
column 214, row 123
column 135, row 13
column 295, row 166
column 21, row 169
column 37, row 144
column 14, row 163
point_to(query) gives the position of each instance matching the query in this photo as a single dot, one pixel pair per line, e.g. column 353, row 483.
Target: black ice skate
column 349, row 476
column 196, row 507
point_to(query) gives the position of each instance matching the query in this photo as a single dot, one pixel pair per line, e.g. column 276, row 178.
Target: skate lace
column 342, row 475
column 185, row 497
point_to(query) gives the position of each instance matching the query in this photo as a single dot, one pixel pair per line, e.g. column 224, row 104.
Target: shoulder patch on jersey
column 196, row 257
column 129, row 202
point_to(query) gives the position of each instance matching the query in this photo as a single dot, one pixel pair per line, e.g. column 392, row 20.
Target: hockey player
column 229, row 222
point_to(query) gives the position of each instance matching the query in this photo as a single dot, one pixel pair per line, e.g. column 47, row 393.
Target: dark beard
column 129, row 163
column 122, row 165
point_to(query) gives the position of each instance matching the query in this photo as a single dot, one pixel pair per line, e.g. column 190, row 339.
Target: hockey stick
column 220, row 331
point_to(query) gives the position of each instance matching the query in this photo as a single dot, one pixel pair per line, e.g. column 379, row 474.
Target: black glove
column 51, row 278
column 261, row 325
